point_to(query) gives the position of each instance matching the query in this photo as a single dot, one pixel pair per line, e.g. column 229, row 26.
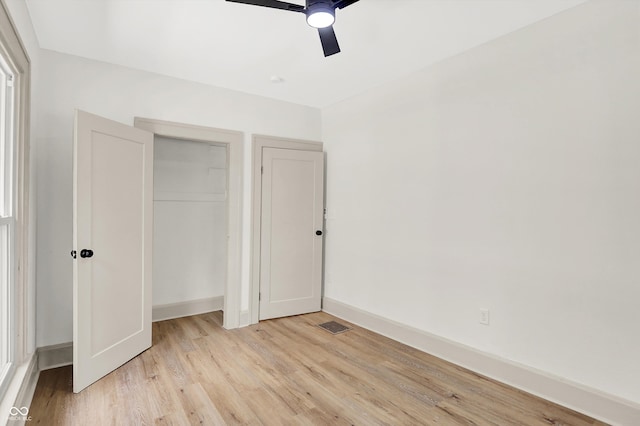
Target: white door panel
column 113, row 217
column 291, row 252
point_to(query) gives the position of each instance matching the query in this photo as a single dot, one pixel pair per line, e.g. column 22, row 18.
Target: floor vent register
column 334, row 327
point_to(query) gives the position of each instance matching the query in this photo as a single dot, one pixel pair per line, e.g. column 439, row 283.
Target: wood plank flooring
column 286, row 371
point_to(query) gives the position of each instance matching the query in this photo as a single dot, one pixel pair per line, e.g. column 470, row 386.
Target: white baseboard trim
column 592, row 402
column 20, row 391
column 245, row 319
column 28, row 388
column 55, row 356
column 185, row 309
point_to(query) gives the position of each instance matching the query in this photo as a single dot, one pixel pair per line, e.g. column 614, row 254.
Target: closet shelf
column 189, row 196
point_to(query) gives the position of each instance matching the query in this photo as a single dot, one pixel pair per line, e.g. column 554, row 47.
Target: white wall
column 119, row 93
column 505, row 178
column 190, row 229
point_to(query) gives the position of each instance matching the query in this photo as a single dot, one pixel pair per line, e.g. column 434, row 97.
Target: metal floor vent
column 334, row 327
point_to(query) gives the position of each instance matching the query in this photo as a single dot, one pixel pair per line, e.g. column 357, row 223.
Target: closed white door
column 112, row 236
column 291, row 232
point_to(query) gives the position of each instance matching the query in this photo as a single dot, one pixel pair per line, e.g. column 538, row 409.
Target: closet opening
column 190, row 216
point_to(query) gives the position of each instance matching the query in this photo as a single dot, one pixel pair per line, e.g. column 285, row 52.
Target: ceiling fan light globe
column 321, row 17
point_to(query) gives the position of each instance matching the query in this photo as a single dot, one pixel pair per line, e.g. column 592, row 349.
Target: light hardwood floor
column 286, row 371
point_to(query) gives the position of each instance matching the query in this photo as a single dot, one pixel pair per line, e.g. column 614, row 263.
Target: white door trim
column 234, row 141
column 258, row 143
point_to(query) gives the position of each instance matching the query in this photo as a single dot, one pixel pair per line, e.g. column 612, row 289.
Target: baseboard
column 592, row 402
column 54, row 356
column 245, row 319
column 185, row 309
column 28, row 387
column 20, row 392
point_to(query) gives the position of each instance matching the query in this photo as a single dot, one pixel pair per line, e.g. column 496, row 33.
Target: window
column 14, row 195
column 7, row 217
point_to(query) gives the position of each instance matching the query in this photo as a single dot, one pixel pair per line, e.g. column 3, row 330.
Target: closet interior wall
column 190, row 221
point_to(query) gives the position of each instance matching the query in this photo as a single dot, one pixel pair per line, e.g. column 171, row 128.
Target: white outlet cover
column 484, row 316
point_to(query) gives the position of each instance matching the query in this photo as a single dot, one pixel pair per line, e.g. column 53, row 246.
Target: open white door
column 291, row 232
column 112, row 235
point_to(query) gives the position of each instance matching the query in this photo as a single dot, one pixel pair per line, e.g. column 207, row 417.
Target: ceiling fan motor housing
column 328, row 3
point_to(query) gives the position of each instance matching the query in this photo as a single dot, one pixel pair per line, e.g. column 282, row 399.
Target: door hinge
column 261, row 170
column 259, row 297
column 10, row 81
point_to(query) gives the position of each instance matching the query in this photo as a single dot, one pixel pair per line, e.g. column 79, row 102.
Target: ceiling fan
column 321, row 14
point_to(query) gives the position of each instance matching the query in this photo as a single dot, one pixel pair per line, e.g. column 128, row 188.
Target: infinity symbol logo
column 15, row 411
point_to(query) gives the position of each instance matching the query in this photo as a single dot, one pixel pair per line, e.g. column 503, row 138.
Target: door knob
column 86, row 253
column 318, row 232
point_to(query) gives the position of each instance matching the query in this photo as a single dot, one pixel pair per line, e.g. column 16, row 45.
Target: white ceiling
column 241, row 47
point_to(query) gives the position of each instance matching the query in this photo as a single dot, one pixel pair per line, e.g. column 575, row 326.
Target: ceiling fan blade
column 273, row 4
column 329, row 41
column 341, row 4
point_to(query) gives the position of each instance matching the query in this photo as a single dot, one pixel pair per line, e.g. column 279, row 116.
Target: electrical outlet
column 484, row 316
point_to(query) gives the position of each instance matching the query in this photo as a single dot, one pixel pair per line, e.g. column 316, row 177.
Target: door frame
column 258, row 143
column 234, row 142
